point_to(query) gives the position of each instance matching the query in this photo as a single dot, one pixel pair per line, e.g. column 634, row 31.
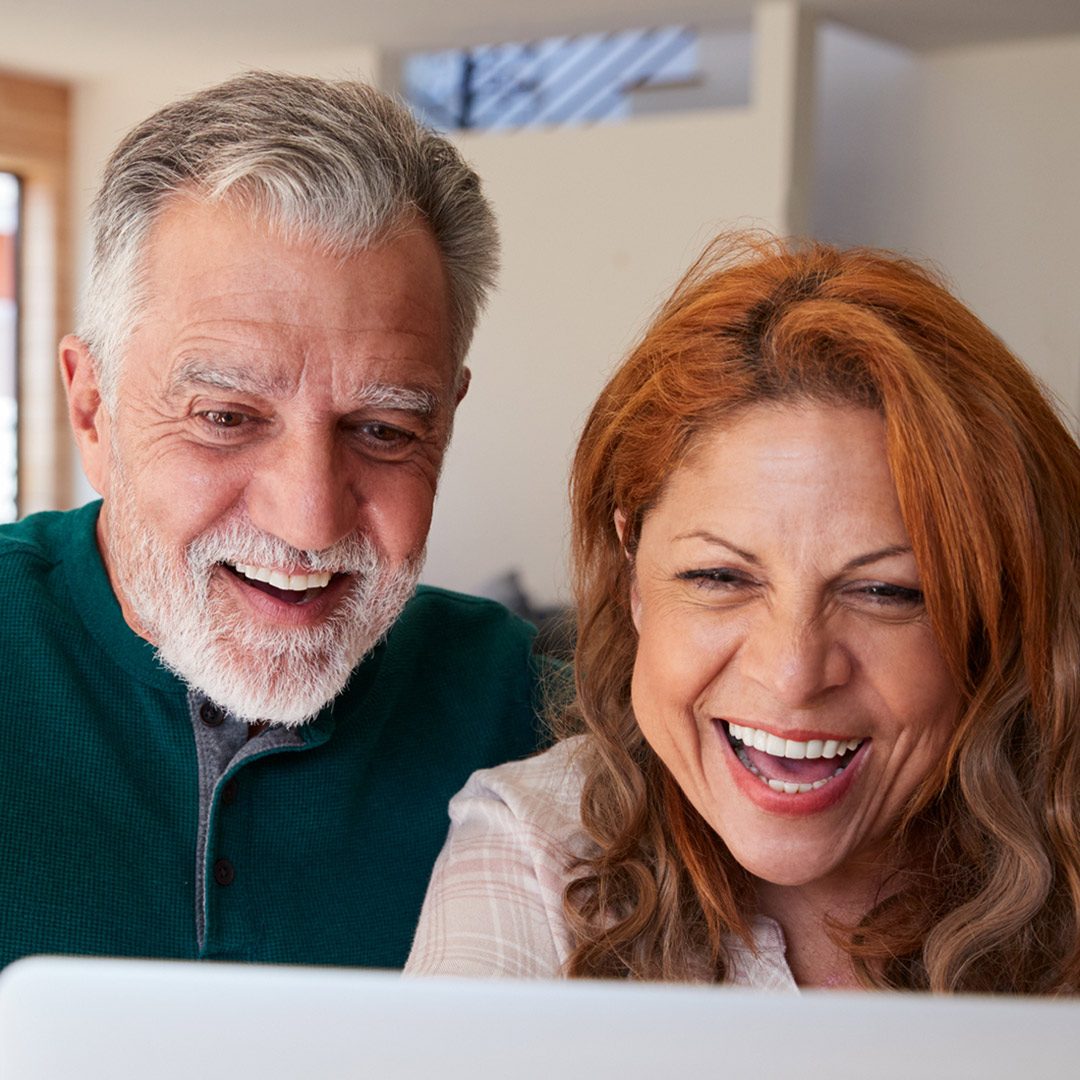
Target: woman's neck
column 806, row 913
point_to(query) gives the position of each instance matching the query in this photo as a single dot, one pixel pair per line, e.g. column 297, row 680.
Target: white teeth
column 281, row 580
column 775, row 746
column 785, row 787
column 791, row 748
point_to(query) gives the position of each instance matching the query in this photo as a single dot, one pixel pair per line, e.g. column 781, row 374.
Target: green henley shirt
column 125, row 832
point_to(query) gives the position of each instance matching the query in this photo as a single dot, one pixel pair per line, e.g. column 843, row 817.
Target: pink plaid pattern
column 494, row 905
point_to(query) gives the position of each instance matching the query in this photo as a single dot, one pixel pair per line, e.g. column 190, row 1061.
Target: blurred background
column 615, row 137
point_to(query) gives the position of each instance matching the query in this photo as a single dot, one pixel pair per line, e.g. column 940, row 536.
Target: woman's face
column 786, row 671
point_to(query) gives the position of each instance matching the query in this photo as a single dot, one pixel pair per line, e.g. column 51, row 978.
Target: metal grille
column 564, row 80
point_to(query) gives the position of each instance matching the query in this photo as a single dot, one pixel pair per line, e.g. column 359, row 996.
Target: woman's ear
column 635, row 594
column 620, row 527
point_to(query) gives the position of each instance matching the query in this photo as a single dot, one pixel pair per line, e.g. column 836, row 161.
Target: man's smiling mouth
column 789, row 766
column 291, row 588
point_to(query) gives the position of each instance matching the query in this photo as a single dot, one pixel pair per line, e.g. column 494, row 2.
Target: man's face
column 270, row 467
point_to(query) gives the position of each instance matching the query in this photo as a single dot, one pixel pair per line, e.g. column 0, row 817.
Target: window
column 9, row 336
column 34, row 306
column 562, row 80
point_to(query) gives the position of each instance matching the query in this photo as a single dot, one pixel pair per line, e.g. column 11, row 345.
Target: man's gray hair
column 336, row 162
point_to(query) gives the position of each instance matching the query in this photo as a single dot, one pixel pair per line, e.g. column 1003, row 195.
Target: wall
column 994, row 194
column 969, row 157
column 598, row 224
column 866, row 92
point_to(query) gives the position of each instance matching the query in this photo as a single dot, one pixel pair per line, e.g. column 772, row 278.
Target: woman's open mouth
column 790, row 766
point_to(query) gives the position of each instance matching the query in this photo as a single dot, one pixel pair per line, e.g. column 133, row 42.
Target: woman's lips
column 791, row 767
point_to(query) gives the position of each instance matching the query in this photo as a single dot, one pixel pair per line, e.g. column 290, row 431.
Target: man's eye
column 386, row 434
column 223, row 419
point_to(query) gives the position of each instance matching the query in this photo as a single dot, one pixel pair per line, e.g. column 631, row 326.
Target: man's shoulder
column 459, row 621
column 461, row 654
column 42, row 540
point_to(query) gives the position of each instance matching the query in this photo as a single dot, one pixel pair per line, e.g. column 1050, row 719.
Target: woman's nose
column 796, row 656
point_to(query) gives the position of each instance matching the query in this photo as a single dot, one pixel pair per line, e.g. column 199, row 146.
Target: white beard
column 278, row 674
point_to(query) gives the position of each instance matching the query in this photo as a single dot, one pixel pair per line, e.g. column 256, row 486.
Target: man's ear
column 635, row 592
column 463, row 388
column 86, row 411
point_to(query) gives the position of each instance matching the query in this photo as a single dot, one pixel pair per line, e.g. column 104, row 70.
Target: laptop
column 95, row 1018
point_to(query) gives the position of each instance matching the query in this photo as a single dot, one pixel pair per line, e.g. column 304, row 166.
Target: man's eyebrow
column 854, row 564
column 414, row 399
column 243, row 380
column 240, row 380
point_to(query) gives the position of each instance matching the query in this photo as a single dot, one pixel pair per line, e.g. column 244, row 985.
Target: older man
column 230, row 727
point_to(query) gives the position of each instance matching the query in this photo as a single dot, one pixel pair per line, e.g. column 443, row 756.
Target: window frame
column 34, row 145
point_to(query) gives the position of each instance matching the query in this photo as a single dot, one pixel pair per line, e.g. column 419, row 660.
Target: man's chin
column 283, row 675
column 287, row 690
column 260, row 672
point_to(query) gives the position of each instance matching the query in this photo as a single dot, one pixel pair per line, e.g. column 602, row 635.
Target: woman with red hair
column 826, row 729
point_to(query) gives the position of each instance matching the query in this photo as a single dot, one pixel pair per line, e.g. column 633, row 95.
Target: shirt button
column 228, row 792
column 210, row 714
column 224, row 872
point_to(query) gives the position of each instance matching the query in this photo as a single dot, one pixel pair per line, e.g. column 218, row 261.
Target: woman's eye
column 718, row 578
column 881, row 592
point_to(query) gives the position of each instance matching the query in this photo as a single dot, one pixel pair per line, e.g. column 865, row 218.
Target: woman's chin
column 788, row 865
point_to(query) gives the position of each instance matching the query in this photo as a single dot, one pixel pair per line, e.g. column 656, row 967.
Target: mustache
column 237, row 540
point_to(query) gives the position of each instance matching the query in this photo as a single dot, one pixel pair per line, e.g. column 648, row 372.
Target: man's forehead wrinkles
column 278, row 310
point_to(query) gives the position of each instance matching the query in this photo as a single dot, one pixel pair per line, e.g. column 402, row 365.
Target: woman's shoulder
column 494, row 906
column 543, row 791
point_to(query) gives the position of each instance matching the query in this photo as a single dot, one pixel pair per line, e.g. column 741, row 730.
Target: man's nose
column 303, row 492
column 796, row 656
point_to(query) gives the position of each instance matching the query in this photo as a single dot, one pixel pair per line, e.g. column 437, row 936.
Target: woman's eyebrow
column 877, row 556
column 712, row 538
column 853, row 564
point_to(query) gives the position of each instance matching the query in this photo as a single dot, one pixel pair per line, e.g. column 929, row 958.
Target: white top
column 494, row 905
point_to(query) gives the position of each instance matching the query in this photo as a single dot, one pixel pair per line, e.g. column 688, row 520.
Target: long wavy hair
column 988, row 479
